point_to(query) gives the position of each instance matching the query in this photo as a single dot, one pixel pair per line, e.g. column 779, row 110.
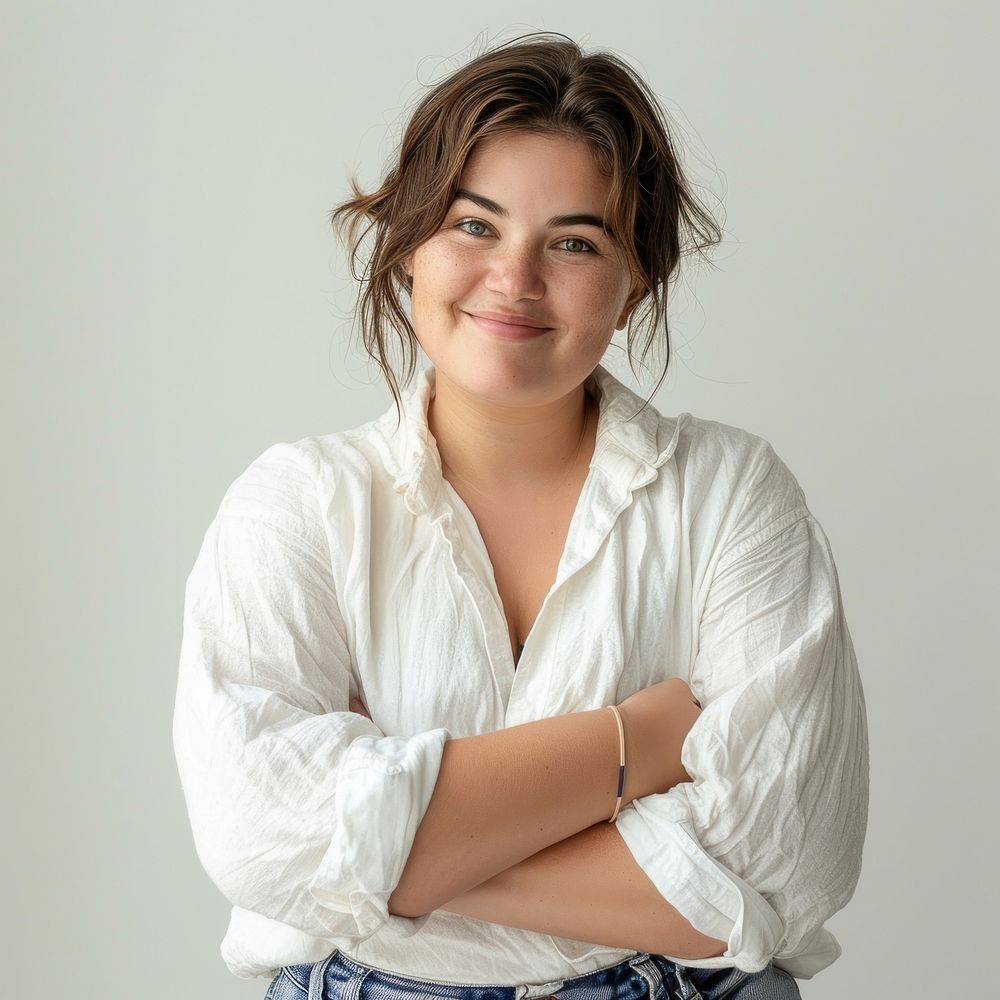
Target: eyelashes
column 470, row 222
column 586, row 246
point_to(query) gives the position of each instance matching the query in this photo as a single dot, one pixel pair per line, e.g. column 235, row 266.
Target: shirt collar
column 630, row 446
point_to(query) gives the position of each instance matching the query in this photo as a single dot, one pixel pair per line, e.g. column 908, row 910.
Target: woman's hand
column 657, row 720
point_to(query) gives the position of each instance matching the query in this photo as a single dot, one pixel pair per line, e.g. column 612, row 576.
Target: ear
column 635, row 296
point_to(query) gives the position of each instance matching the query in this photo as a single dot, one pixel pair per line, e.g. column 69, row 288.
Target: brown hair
column 543, row 82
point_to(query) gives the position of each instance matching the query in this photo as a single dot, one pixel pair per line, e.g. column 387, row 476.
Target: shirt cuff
column 710, row 897
column 383, row 791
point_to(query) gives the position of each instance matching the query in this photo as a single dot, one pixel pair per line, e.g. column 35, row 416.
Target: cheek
column 440, row 273
column 601, row 297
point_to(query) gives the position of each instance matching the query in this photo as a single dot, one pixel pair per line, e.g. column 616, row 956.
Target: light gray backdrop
column 173, row 303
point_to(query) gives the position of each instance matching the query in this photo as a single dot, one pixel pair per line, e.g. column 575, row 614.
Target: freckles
column 444, row 259
column 609, row 291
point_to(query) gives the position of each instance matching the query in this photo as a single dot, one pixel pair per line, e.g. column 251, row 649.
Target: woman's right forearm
column 500, row 797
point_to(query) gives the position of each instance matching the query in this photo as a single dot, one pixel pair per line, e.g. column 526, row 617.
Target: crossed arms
column 516, row 832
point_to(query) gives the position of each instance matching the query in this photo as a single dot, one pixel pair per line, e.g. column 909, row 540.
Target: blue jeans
column 338, row 977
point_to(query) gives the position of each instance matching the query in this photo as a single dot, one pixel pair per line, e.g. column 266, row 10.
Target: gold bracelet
column 621, row 766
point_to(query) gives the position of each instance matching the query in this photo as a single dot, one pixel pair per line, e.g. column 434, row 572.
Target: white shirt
column 345, row 564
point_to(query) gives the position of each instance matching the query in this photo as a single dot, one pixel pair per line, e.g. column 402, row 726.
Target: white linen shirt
column 345, row 564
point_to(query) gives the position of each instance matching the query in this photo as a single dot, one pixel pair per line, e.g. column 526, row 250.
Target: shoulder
column 711, row 447
column 714, row 444
column 290, row 483
column 739, row 473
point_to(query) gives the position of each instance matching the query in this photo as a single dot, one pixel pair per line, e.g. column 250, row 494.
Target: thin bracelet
column 621, row 766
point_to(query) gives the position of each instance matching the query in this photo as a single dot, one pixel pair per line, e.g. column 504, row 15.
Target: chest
column 525, row 546
column 596, row 586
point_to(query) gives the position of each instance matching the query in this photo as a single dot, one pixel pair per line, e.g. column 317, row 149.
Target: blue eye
column 473, row 222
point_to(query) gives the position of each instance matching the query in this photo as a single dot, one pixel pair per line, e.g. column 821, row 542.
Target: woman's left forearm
column 587, row 887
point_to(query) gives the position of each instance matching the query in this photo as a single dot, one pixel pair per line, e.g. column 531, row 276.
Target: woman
column 401, row 642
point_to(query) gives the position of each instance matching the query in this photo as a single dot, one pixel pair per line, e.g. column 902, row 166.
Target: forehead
column 554, row 170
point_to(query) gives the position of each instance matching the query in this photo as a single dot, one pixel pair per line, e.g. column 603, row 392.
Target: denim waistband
column 340, row 977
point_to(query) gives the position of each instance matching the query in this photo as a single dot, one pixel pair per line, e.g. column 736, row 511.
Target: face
column 516, row 297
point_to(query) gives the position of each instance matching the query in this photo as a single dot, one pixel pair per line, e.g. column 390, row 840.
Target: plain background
column 174, row 302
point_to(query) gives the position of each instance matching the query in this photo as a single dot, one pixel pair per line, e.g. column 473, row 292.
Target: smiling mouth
column 508, row 331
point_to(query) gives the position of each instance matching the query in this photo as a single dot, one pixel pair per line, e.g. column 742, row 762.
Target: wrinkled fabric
column 344, row 564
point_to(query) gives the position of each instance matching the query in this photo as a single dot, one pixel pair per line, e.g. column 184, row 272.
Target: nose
column 515, row 272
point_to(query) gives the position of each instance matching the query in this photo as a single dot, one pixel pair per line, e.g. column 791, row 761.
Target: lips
column 507, row 326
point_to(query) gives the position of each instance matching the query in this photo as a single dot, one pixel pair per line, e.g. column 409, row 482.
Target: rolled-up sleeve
column 302, row 812
column 765, row 842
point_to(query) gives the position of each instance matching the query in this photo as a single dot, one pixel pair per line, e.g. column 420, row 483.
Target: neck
column 501, row 451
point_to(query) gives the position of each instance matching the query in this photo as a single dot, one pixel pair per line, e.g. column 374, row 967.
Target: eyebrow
column 579, row 219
